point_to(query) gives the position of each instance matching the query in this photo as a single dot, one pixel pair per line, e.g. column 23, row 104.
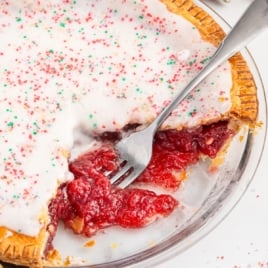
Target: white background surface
column 241, row 240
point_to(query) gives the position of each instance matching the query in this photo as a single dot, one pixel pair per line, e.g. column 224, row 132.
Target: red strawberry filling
column 89, row 202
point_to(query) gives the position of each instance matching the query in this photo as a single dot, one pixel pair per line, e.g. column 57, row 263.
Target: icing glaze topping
column 96, row 66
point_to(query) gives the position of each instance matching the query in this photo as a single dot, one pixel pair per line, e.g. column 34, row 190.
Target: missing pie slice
column 73, row 70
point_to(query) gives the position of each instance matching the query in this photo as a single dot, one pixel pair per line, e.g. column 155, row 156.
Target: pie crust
column 243, row 92
column 21, row 249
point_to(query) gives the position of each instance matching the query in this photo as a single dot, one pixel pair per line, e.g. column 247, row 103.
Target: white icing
column 91, row 65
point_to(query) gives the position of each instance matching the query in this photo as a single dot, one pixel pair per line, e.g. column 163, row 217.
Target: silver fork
column 135, row 150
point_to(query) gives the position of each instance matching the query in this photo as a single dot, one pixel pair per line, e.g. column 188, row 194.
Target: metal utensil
column 136, row 149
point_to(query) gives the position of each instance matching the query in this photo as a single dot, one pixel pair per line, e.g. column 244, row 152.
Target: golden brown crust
column 207, row 26
column 21, row 249
column 243, row 92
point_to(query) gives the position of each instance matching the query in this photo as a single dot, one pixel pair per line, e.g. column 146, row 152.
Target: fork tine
column 130, row 178
column 120, row 173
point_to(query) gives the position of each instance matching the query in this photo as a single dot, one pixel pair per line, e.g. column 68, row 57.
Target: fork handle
column 252, row 22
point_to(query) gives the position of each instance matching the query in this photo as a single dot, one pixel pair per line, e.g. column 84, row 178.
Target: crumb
column 90, row 243
column 54, row 255
column 151, row 243
column 68, row 261
column 114, row 245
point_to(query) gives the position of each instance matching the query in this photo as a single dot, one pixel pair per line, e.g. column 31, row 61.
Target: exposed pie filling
column 89, row 202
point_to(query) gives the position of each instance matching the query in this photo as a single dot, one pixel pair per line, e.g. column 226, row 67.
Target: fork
column 135, row 150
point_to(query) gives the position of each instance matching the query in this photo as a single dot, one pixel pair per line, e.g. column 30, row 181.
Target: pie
column 75, row 75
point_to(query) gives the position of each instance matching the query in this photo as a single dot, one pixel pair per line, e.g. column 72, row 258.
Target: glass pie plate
column 205, row 198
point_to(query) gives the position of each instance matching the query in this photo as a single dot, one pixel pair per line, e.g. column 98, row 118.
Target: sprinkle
column 192, row 62
column 138, row 90
column 192, row 113
column 171, row 62
column 10, row 124
column 16, row 196
column 204, row 61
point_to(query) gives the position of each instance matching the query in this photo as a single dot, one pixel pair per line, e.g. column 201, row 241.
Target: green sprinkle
column 60, row 92
column 52, row 162
column 141, row 17
column 192, row 62
column 189, row 97
column 204, row 61
column 90, row 116
column 10, row 124
column 171, row 62
column 18, row 19
column 138, row 90
column 62, row 24
column 192, row 113
column 82, row 29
